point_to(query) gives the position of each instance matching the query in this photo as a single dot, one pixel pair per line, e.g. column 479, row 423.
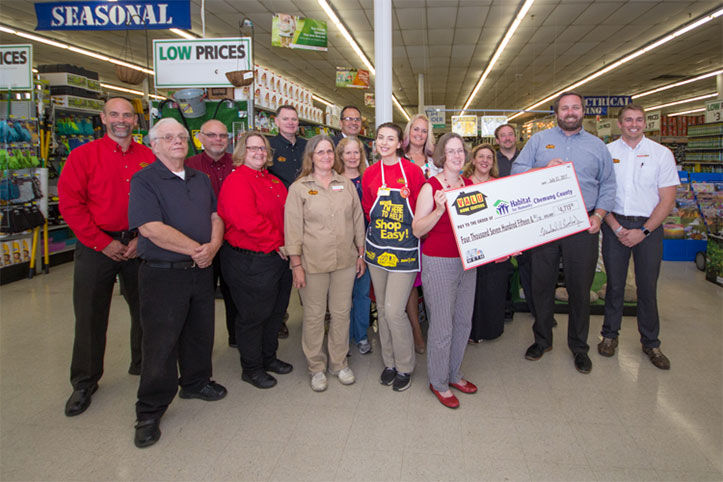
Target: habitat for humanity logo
column 502, row 207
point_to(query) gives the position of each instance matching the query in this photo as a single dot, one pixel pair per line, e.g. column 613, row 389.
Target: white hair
column 153, row 132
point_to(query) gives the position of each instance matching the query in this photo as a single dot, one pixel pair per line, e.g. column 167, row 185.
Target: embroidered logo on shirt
column 281, row 159
column 643, row 155
column 143, row 164
column 400, row 180
column 616, row 161
column 550, row 146
column 313, row 192
column 274, row 180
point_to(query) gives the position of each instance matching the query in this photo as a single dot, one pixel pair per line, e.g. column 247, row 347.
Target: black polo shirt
column 157, row 194
column 504, row 164
column 287, row 158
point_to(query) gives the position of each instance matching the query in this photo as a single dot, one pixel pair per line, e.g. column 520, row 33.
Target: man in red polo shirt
column 215, row 162
column 93, row 191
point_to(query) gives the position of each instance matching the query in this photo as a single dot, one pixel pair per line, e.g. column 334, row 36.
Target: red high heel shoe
column 468, row 386
column 449, row 402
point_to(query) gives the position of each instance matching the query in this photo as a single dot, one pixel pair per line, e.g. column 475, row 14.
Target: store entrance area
column 626, row 420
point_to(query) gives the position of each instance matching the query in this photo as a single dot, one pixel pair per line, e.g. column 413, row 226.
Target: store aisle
column 535, row 421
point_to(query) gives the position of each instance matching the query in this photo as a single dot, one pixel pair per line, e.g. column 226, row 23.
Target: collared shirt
column 324, row 226
column 370, row 158
column 217, row 171
column 592, row 161
column 504, row 163
column 251, row 205
column 157, row 194
column 640, row 172
column 94, row 185
column 287, row 158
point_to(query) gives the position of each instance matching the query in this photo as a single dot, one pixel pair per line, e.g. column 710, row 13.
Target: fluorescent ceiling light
column 684, row 101
column 702, row 109
column 677, row 84
column 355, row 46
column 667, row 38
column 183, row 33
column 505, row 40
column 319, row 99
column 129, row 91
column 72, row 48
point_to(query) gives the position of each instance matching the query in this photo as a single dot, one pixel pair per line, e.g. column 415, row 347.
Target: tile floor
column 533, row 421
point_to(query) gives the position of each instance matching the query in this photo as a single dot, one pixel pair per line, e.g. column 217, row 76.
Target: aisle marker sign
column 598, row 104
column 199, row 63
column 103, row 15
column 16, row 66
column 436, row 114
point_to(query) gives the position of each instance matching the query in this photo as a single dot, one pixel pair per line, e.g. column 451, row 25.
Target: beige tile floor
column 530, row 421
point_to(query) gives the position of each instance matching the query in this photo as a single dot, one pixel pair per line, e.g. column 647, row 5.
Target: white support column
column 420, row 93
column 383, row 61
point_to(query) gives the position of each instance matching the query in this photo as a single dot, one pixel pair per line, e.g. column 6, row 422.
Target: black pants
column 646, row 257
column 488, row 319
column 579, row 258
column 260, row 286
column 524, row 268
column 227, row 299
column 177, row 315
column 93, row 279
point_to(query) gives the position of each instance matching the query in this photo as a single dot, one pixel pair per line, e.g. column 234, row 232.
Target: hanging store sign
column 122, row 15
column 16, row 67
column 598, row 104
column 464, row 125
column 652, row 121
column 369, row 99
column 354, row 78
column 436, row 115
column 489, row 123
column 713, row 111
column 199, row 63
column 293, row 32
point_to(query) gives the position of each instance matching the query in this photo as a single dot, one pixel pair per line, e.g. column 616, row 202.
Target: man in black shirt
column 351, row 122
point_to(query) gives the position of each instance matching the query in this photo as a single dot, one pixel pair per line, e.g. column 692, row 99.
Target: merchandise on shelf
column 272, row 90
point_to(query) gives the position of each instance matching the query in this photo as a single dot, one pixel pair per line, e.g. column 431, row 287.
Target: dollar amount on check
column 505, row 216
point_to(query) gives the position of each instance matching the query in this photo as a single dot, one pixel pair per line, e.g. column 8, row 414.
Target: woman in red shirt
column 448, row 288
column 251, row 204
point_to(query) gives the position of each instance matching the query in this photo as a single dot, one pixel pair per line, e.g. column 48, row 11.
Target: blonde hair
column 239, row 153
column 340, row 153
column 428, row 145
column 470, row 167
column 307, row 161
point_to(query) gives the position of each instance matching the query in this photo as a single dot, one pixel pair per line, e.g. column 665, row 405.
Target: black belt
column 124, row 237
column 249, row 252
column 171, row 264
column 631, row 218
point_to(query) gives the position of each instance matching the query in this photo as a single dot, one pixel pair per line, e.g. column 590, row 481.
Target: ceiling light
column 677, row 84
column 319, row 99
column 684, row 101
column 183, row 33
column 702, row 109
column 667, row 38
column 130, row 91
column 505, row 40
column 355, row 46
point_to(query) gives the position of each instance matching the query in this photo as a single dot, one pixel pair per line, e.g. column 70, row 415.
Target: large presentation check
column 502, row 217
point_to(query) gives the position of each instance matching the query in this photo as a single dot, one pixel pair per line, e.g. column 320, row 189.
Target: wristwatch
column 645, row 231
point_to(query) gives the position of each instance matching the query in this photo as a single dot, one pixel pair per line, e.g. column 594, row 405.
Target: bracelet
column 295, row 265
column 361, row 256
column 598, row 215
column 620, row 228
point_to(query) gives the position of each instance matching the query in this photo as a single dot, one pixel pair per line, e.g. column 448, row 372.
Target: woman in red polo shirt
column 251, row 204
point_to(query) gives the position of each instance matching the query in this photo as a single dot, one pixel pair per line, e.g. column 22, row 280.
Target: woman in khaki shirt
column 324, row 238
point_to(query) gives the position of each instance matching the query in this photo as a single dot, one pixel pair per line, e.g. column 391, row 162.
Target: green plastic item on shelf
column 13, row 162
column 34, row 161
column 3, row 159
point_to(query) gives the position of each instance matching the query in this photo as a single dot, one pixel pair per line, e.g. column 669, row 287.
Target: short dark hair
column 505, row 125
column 395, row 128
column 556, row 104
column 630, row 107
column 351, row 107
column 286, row 106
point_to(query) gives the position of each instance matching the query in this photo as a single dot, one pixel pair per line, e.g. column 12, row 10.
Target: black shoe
column 259, row 379
column 283, row 331
column 278, row 366
column 388, row 375
column 583, row 363
column 232, row 343
column 535, row 351
column 554, row 322
column 401, row 382
column 509, row 314
column 134, row 369
column 148, row 432
column 211, row 392
column 79, row 401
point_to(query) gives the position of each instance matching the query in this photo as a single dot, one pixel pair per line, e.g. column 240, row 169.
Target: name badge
column 383, row 191
column 337, row 187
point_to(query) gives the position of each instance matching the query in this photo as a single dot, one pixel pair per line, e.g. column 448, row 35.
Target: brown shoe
column 657, row 358
column 283, row 331
column 607, row 346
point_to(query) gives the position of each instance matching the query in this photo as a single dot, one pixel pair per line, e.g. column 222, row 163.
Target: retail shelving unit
column 704, row 151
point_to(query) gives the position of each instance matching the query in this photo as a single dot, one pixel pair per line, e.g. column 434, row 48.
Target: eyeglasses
column 351, row 119
column 256, row 148
column 213, row 135
column 450, row 152
column 170, row 137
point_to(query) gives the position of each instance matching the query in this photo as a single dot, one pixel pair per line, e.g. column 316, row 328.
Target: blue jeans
column 360, row 307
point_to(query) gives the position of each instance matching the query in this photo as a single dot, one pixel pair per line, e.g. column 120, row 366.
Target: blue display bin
column 682, row 249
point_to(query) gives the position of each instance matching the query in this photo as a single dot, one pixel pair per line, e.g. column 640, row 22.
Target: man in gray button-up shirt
column 569, row 142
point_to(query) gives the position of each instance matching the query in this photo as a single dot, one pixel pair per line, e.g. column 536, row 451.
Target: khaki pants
column 336, row 287
column 391, row 290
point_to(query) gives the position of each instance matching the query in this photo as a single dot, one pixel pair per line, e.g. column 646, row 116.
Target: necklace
column 476, row 179
column 448, row 185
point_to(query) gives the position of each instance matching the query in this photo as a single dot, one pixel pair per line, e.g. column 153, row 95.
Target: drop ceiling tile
column 414, row 36
column 440, row 36
column 466, row 35
column 472, row 17
column 410, row 18
column 441, row 17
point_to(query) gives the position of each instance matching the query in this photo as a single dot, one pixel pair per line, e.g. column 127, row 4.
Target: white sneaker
column 364, row 346
column 318, row 382
column 346, row 376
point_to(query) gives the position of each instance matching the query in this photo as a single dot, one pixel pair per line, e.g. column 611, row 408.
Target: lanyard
column 399, row 161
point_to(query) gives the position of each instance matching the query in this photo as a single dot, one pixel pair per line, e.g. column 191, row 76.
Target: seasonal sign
column 16, row 66
column 179, row 63
column 293, row 32
column 122, row 15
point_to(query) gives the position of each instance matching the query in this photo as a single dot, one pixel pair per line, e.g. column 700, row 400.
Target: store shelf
column 673, row 140
column 57, row 226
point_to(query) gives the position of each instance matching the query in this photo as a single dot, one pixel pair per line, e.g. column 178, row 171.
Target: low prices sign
column 16, row 66
column 199, row 63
